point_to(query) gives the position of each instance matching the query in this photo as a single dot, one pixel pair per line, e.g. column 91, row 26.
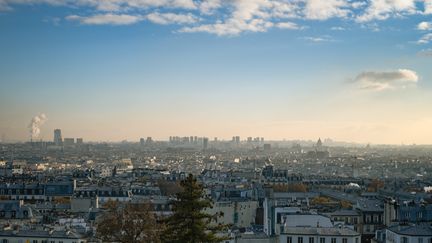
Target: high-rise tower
column 58, row 137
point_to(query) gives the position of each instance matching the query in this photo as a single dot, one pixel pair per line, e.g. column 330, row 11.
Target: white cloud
column 172, row 18
column 288, row 25
column 109, row 5
column 384, row 9
column 318, row 39
column 230, row 17
column 101, row 19
column 389, row 80
column 424, row 26
column 425, row 39
column 322, row 10
column 425, row 53
column 247, row 16
column 251, row 16
column 208, row 6
column 231, row 27
column 427, row 6
column 285, row 9
column 338, row 28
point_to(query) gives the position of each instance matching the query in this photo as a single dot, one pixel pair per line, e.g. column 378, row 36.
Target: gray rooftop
column 417, row 230
column 327, row 231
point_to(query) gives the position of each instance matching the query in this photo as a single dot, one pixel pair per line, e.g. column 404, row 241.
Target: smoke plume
column 35, row 125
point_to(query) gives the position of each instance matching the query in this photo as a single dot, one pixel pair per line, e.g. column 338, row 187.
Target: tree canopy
column 128, row 222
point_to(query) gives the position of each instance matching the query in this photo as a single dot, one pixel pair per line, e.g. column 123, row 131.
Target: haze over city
column 215, row 121
column 357, row 71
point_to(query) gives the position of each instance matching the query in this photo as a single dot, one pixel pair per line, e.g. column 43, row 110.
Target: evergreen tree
column 189, row 223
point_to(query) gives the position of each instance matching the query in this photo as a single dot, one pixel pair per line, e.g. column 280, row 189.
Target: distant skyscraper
column 237, row 139
column 205, row 143
column 58, row 137
column 319, row 145
column 149, row 140
column 142, row 141
column 79, row 141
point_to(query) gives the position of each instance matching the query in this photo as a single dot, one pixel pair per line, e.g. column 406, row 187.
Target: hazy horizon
column 348, row 70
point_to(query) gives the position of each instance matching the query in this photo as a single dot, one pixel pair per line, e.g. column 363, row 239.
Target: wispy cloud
column 318, row 39
column 101, row 19
column 289, row 25
column 427, row 6
column 172, row 18
column 384, row 9
column 322, row 10
column 231, row 17
column 424, row 26
column 337, row 28
column 425, row 39
column 231, row 27
column 386, row 80
column 425, row 53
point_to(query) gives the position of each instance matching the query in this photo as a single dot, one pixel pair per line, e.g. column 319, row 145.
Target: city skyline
column 352, row 71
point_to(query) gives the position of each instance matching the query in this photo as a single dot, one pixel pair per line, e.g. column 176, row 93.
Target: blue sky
column 113, row 70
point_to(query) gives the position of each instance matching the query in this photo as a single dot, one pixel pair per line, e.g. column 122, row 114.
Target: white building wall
column 283, row 238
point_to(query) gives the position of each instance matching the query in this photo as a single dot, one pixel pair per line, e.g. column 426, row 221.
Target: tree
column 189, row 223
column 345, row 204
column 320, row 200
column 128, row 222
column 299, row 187
column 375, row 185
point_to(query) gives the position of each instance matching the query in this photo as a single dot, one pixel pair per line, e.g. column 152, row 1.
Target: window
column 311, row 240
column 404, row 240
column 300, row 239
column 420, row 240
column 344, row 240
column 356, row 240
column 4, row 241
column 419, row 215
column 333, row 240
column 289, row 239
column 322, row 240
column 35, row 241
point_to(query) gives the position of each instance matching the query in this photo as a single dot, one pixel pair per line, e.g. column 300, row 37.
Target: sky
column 112, row 70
